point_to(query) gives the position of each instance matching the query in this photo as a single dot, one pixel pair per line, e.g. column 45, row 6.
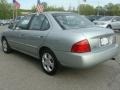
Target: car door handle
column 38, row 36
column 41, row 36
column 22, row 35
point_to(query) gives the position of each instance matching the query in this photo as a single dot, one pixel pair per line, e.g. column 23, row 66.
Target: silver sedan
column 60, row 38
column 112, row 22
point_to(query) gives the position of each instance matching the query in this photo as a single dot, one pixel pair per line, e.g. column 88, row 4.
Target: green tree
column 99, row 10
column 86, row 9
column 33, row 10
column 45, row 5
column 48, row 8
column 5, row 9
column 54, row 8
column 112, row 9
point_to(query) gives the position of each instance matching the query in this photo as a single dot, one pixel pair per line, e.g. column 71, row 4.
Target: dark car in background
column 18, row 18
column 94, row 17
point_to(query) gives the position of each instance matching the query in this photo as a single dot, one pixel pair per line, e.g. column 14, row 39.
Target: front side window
column 116, row 19
column 23, row 23
column 72, row 21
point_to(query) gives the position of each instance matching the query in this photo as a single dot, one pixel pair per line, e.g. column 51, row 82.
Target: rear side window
column 39, row 22
column 45, row 25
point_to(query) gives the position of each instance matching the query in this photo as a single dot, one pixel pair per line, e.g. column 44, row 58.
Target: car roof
column 50, row 12
column 53, row 12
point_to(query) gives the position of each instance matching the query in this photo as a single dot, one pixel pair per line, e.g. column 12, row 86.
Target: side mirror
column 114, row 20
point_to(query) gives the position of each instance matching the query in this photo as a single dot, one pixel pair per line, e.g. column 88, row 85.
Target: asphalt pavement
column 22, row 72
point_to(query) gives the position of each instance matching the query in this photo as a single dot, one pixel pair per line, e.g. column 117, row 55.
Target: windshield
column 72, row 21
column 107, row 18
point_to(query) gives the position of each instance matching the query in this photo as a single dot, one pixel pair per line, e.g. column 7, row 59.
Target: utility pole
column 13, row 11
column 78, row 6
column 98, row 13
column 70, row 7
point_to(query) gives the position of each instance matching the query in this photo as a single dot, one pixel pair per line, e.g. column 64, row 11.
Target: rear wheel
column 5, row 46
column 49, row 62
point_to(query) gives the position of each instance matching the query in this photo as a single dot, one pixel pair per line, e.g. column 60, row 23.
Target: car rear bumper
column 76, row 60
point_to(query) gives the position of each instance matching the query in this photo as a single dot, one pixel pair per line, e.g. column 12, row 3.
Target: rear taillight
column 81, row 47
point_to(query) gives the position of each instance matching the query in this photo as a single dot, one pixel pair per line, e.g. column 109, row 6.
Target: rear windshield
column 72, row 21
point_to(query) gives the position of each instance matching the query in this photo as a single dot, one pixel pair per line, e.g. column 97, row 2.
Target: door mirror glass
column 23, row 23
column 114, row 20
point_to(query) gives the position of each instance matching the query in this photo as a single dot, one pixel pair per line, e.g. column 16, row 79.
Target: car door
column 33, row 38
column 15, row 35
column 116, row 23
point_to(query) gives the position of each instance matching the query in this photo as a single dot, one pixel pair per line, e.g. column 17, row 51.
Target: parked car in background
column 93, row 17
column 11, row 21
column 18, row 18
column 112, row 22
column 3, row 22
column 0, row 22
column 60, row 38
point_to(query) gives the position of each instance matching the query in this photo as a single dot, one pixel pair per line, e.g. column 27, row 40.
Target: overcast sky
column 27, row 4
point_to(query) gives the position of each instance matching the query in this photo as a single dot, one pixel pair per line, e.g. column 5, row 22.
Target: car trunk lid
column 99, row 38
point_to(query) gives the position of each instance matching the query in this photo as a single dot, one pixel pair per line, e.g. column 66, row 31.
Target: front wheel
column 5, row 46
column 49, row 62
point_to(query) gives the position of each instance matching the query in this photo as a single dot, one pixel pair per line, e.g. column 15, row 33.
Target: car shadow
column 101, row 69
column 29, row 59
column 98, row 69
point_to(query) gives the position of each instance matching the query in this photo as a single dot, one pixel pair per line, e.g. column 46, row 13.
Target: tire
column 5, row 46
column 49, row 62
column 109, row 26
